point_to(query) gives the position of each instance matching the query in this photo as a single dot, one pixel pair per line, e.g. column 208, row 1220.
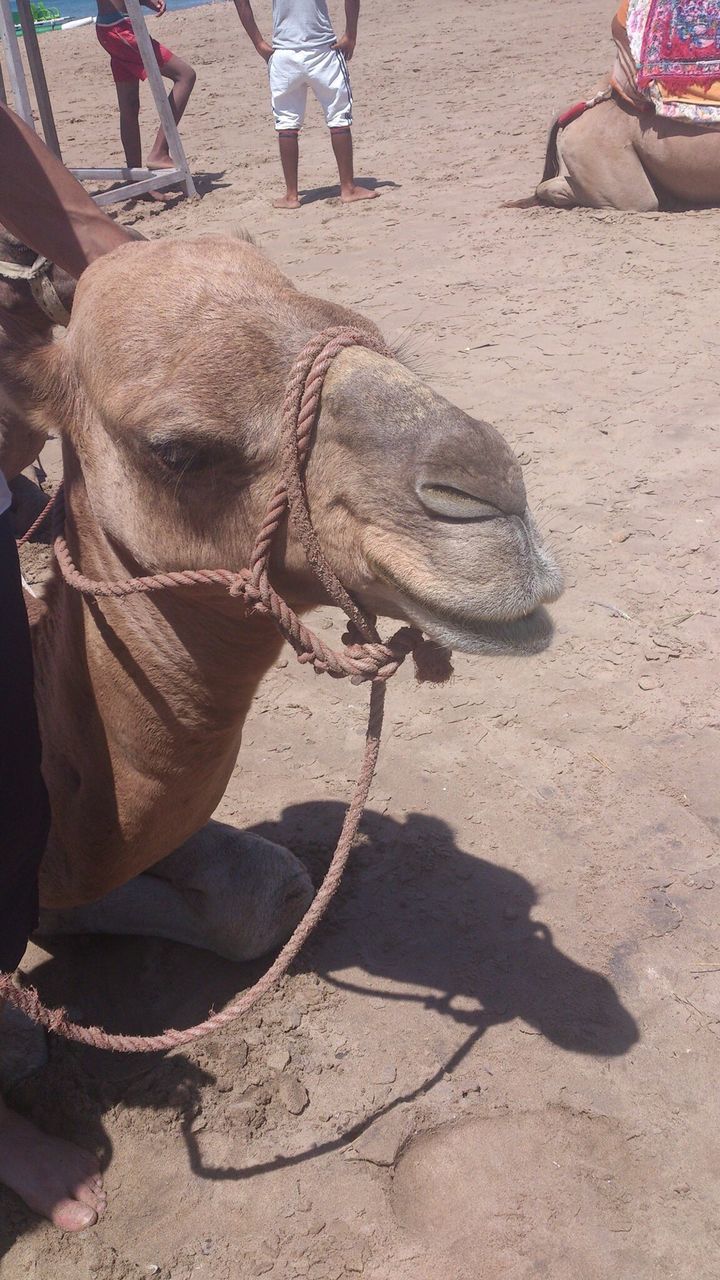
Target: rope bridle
column 41, row 287
column 365, row 657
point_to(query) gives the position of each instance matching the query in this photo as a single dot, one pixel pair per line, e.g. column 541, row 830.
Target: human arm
column 247, row 17
column 43, row 205
column 346, row 43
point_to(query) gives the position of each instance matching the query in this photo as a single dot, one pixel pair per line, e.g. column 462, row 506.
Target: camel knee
column 557, row 192
column 223, row 890
column 244, row 894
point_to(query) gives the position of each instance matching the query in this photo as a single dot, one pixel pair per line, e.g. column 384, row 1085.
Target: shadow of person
column 205, row 183
column 312, row 194
column 425, row 921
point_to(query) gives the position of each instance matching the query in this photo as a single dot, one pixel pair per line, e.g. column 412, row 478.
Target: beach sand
column 496, row 1059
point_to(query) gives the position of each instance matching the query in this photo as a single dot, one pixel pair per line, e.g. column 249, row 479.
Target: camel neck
column 143, row 700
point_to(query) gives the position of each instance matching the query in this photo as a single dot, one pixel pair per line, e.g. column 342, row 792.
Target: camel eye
column 181, row 456
column 455, row 504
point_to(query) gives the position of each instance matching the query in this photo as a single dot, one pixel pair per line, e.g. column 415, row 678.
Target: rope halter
column 41, row 287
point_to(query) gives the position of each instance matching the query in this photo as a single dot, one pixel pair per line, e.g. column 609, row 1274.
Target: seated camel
column 167, row 388
column 615, row 152
column 615, row 156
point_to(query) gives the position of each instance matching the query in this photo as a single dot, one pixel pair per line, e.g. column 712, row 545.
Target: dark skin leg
column 343, row 148
column 128, row 95
column 183, row 78
column 289, row 159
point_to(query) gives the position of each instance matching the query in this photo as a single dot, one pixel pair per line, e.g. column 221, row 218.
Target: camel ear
column 50, row 396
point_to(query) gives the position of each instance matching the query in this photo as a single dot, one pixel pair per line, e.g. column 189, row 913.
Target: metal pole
column 167, row 120
column 37, row 71
column 16, row 74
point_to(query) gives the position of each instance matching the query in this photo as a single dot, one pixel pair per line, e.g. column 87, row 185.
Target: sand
column 497, row 1058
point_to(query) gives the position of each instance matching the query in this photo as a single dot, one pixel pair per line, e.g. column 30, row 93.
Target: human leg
column 289, row 159
column 24, row 810
column 330, row 82
column 54, row 1178
column 128, row 95
column 183, row 79
column 288, row 93
column 343, row 149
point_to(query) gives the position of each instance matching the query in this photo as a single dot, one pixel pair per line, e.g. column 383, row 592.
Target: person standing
column 305, row 54
column 115, row 33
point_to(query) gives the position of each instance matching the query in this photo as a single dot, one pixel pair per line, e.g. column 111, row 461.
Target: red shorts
column 125, row 61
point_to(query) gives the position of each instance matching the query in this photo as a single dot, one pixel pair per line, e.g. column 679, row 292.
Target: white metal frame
column 134, row 181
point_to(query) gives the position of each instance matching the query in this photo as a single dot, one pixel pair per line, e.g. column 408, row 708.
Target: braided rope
column 366, row 659
column 57, row 496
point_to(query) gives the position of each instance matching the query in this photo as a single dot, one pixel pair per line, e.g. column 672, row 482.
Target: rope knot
column 432, row 661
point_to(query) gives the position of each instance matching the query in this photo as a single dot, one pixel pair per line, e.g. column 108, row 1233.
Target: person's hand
column 158, row 6
column 265, row 50
column 346, row 46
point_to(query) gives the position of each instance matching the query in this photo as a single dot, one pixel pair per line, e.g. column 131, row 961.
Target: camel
column 616, row 156
column 24, row 326
column 167, row 388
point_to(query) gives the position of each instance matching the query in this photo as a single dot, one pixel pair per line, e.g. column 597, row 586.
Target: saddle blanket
column 675, row 46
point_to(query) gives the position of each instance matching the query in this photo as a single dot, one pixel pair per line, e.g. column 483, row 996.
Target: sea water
column 88, row 9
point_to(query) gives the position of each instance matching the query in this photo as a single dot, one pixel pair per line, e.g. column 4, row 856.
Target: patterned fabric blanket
column 680, row 44
column 675, row 45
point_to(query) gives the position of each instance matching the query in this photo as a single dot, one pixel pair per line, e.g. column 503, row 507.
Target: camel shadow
column 417, row 911
column 424, row 921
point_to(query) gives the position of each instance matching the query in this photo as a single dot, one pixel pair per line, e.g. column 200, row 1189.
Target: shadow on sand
column 415, row 911
column 312, row 194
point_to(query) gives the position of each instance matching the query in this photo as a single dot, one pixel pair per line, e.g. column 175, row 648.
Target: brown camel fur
column 167, row 387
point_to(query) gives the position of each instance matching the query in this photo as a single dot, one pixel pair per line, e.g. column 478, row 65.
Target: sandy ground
column 497, row 1056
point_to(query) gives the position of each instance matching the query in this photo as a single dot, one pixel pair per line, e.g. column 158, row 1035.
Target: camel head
column 169, row 385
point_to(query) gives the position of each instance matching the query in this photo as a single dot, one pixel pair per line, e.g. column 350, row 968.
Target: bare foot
column 286, row 202
column 358, row 193
column 55, row 1178
column 160, row 197
column 161, row 162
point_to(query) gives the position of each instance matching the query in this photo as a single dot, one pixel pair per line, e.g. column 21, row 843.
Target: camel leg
column 558, row 192
column 599, row 162
column 224, row 890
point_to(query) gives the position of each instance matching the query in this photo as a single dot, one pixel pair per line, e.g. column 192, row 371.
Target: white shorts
column 294, row 71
